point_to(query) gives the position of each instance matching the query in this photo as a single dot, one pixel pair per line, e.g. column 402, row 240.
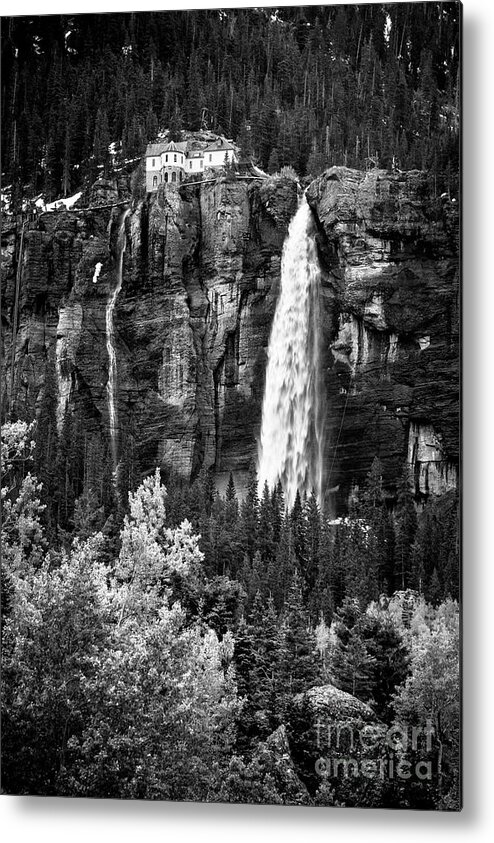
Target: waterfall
column 110, row 339
column 292, row 429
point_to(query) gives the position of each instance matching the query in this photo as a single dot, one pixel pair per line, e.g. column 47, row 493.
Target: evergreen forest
column 309, row 87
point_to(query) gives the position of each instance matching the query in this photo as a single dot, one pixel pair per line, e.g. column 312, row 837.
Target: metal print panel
column 230, row 391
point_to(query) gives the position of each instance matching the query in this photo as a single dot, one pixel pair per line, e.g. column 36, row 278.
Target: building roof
column 176, row 147
column 219, row 144
column 154, row 149
column 190, row 148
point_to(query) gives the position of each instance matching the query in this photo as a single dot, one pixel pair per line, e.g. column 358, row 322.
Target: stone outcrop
column 331, row 705
column 201, row 277
column 331, row 733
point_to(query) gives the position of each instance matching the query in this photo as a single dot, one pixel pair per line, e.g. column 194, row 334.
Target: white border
column 40, row 820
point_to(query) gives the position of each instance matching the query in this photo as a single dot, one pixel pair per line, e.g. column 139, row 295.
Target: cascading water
column 110, row 339
column 292, row 429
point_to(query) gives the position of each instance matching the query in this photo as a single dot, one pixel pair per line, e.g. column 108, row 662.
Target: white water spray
column 110, row 339
column 292, row 430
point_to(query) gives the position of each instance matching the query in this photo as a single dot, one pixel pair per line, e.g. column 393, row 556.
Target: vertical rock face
column 390, row 252
column 433, row 473
column 191, row 322
column 68, row 335
column 195, row 321
column 201, row 275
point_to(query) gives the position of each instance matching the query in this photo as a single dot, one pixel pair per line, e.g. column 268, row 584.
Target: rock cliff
column 201, row 276
column 389, row 249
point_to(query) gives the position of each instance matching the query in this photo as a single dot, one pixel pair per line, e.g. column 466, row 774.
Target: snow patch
column 97, row 270
column 64, row 203
column 424, row 342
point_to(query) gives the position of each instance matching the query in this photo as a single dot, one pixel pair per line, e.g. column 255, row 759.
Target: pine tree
column 266, row 538
column 231, row 548
column 434, row 592
column 249, row 513
column 102, row 140
column 337, row 573
column 312, row 517
column 299, row 531
column 265, row 674
column 299, row 664
column 373, row 548
column 274, row 162
column 230, row 494
column 406, row 528
column 328, row 577
column 257, row 584
column 175, row 125
column 351, row 665
column 384, row 643
column 278, row 505
column 152, row 126
column 280, row 572
column 245, row 142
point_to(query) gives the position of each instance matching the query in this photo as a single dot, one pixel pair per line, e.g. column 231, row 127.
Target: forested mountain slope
column 305, row 86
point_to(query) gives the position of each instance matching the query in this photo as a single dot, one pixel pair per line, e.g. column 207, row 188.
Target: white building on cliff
column 169, row 162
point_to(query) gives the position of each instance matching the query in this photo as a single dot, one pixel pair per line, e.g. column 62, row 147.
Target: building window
column 166, row 176
column 155, row 181
column 181, row 175
column 166, row 158
column 175, row 159
column 210, row 157
column 190, row 165
column 154, row 162
column 201, row 163
column 174, row 176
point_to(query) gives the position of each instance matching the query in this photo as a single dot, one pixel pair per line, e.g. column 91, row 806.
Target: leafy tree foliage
column 142, row 659
column 110, row 686
column 430, row 699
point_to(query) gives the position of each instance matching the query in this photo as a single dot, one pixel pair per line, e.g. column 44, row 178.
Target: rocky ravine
column 200, row 280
